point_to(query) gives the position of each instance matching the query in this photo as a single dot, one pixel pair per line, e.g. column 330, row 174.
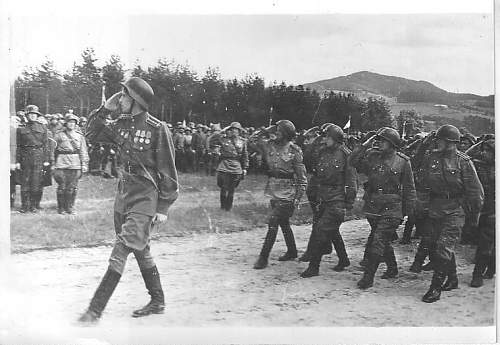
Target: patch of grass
column 197, row 210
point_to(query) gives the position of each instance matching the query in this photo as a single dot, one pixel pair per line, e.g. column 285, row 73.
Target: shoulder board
column 402, row 155
column 345, row 149
column 463, row 155
column 153, row 121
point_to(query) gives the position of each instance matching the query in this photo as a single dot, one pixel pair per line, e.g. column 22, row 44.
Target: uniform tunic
column 337, row 187
column 32, row 152
column 148, row 183
column 233, row 160
column 453, row 184
column 389, row 193
column 287, row 179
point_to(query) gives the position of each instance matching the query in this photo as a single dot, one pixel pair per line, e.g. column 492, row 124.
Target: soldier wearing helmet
column 389, row 196
column 337, row 187
column 147, row 188
column 70, row 162
column 32, row 157
column 453, row 185
column 179, row 140
column 286, row 184
column 483, row 157
column 233, row 163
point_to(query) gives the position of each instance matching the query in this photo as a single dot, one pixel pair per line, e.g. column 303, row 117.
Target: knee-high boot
column 272, row 232
column 452, row 279
column 338, row 244
column 392, row 265
column 101, row 297
column 291, row 252
column 153, row 285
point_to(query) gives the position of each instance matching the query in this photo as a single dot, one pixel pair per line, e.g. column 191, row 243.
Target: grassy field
column 196, row 211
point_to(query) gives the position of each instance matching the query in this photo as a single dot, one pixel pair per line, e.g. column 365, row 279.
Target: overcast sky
column 452, row 51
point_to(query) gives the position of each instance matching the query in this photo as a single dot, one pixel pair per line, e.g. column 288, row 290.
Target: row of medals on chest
column 139, row 137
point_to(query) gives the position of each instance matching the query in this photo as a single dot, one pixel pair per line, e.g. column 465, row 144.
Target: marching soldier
column 453, row 185
column 233, row 163
column 147, row 188
column 286, row 184
column 337, row 187
column 32, row 156
column 71, row 161
column 389, row 196
column 483, row 156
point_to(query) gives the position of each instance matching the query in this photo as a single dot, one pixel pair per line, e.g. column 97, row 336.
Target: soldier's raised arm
column 357, row 159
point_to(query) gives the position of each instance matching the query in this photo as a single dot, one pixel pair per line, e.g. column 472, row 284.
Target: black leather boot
column 307, row 254
column 434, row 292
column 416, row 266
column 313, row 268
column 101, row 297
column 33, row 198
column 229, row 201
column 37, row 198
column 25, row 202
column 392, row 265
column 223, row 199
column 68, row 205
column 451, row 282
column 479, row 268
column 291, row 252
column 262, row 261
column 407, row 232
column 338, row 244
column 153, row 284
column 60, row 202
column 372, row 262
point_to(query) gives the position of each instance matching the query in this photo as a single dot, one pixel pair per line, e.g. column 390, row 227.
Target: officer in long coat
column 233, row 164
column 453, row 185
column 32, row 156
column 286, row 184
column 483, row 156
column 389, row 196
column 147, row 188
column 337, row 187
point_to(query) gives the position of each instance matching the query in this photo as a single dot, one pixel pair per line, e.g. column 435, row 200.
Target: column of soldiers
column 436, row 187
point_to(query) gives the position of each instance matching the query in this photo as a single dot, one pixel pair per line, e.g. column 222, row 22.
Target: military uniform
column 233, row 160
column 70, row 161
column 179, row 141
column 453, row 184
column 389, row 196
column 337, row 187
column 32, row 152
column 285, row 186
column 485, row 253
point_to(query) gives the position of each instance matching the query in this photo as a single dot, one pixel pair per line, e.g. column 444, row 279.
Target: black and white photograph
column 258, row 173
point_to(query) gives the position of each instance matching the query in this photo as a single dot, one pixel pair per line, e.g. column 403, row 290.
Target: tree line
column 183, row 94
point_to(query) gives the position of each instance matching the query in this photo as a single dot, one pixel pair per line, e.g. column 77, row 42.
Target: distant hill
column 401, row 90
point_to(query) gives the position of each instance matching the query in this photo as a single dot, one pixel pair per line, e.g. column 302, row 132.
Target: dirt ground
column 209, row 282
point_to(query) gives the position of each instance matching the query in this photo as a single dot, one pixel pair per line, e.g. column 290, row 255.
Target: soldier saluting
column 389, row 196
column 286, row 184
column 453, row 184
column 147, row 188
column 337, row 187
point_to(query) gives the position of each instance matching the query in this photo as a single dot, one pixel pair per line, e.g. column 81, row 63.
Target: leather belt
column 447, row 196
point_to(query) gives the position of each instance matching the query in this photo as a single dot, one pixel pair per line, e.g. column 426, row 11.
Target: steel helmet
column 448, row 133
column 287, row 127
column 32, row 109
column 140, row 91
column 334, row 132
column 236, row 125
column 391, row 135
